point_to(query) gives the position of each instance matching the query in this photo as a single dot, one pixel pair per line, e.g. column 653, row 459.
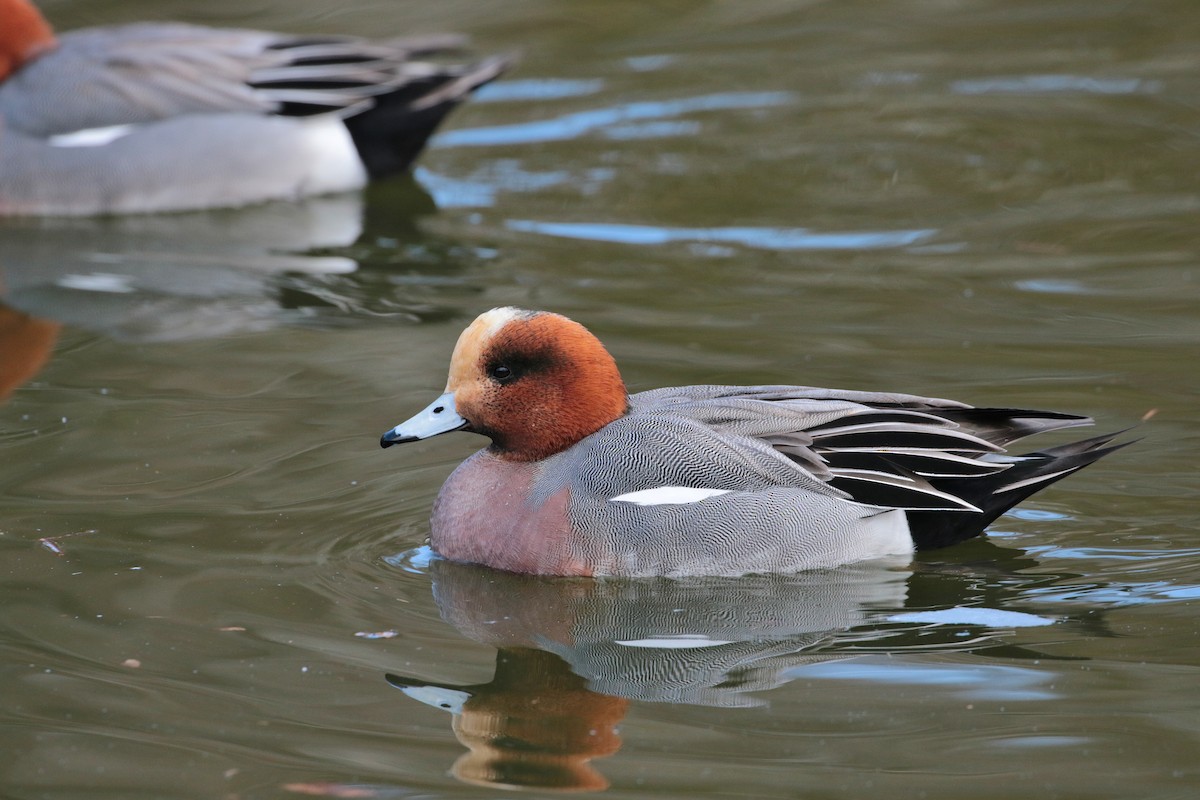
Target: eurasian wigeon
column 582, row 478
column 170, row 117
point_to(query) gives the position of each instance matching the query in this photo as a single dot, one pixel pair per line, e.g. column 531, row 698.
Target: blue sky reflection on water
column 537, row 89
column 1045, row 84
column 977, row 681
column 763, row 238
column 581, row 123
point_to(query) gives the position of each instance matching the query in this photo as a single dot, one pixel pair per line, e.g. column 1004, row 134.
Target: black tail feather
column 997, row 493
column 392, row 132
column 1002, row 426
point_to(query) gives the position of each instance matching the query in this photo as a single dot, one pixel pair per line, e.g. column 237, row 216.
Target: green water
column 206, row 562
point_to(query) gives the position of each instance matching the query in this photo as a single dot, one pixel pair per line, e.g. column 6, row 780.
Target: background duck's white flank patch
column 668, row 496
column 335, row 163
column 91, row 137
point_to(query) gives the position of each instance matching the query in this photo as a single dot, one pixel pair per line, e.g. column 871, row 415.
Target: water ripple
column 580, row 123
column 416, row 560
column 654, row 130
column 1119, row 595
column 649, row 63
column 1043, row 84
column 537, row 89
column 1111, row 553
column 963, row 615
column 480, row 188
column 979, row 681
column 764, row 238
column 1053, row 286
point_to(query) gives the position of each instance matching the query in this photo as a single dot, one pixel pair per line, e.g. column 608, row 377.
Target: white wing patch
column 667, row 496
column 91, row 137
column 681, row 641
column 98, row 282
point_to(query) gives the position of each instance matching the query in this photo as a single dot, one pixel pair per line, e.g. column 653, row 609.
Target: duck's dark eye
column 502, row 373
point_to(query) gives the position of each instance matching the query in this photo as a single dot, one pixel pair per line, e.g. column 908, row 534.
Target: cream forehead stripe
column 473, row 340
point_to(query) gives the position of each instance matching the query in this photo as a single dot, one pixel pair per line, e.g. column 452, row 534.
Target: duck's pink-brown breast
column 485, row 514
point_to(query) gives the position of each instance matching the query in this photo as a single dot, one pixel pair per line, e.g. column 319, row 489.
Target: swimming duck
column 169, row 117
column 582, row 478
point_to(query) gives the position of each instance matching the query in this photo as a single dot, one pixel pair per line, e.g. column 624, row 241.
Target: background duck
column 168, row 117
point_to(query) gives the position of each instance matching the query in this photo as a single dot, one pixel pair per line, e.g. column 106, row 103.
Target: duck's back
column 134, row 74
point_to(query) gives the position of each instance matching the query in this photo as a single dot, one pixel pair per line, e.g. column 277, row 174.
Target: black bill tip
column 390, row 438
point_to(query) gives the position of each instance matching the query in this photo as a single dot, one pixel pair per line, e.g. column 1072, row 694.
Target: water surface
column 212, row 576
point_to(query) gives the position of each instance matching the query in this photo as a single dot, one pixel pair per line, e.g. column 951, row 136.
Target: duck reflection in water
column 186, row 277
column 536, row 724
column 574, row 652
column 178, row 277
column 172, row 278
column 26, row 343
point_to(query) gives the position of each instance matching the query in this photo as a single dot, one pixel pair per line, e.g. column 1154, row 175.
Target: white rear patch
column 90, row 137
column 883, row 534
column 667, row 496
column 334, row 164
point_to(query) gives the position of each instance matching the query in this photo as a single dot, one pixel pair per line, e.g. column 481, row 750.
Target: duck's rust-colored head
column 534, row 382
